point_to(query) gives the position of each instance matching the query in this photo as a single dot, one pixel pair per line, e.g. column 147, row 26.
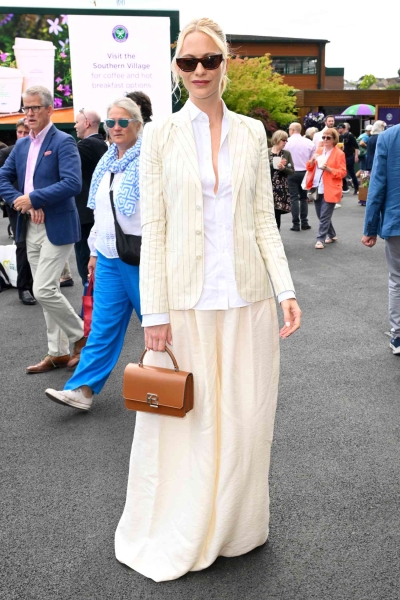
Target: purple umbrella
column 360, row 110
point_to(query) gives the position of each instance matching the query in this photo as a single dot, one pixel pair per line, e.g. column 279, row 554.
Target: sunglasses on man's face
column 326, row 137
column 121, row 122
column 210, row 63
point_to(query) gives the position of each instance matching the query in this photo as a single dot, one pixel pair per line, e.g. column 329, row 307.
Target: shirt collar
column 196, row 113
column 41, row 135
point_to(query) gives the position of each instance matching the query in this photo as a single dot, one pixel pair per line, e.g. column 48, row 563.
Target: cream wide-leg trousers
column 198, row 486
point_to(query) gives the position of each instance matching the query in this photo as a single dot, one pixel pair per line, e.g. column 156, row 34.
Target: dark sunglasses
column 121, row 122
column 326, row 137
column 210, row 63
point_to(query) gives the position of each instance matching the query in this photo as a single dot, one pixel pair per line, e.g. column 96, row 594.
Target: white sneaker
column 73, row 398
column 345, row 191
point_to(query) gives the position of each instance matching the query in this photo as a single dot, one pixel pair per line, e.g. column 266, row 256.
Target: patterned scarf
column 128, row 193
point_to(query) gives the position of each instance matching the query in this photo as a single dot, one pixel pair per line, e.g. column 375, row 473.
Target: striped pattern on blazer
column 172, row 255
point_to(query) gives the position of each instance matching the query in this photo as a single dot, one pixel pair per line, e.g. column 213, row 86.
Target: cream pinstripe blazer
column 172, row 263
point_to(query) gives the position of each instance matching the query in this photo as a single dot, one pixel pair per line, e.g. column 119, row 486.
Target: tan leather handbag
column 157, row 390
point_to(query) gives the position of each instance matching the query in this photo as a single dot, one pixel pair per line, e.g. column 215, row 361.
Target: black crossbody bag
column 128, row 246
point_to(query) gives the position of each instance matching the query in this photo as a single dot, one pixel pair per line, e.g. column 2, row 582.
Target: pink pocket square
column 47, row 153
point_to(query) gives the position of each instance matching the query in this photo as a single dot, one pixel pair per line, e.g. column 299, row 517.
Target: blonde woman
column 198, row 486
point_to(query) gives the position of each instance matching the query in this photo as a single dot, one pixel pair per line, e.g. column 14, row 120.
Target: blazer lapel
column 44, row 147
column 237, row 140
column 22, row 161
column 185, row 143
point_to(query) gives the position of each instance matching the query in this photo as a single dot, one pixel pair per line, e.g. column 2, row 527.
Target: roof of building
column 267, row 38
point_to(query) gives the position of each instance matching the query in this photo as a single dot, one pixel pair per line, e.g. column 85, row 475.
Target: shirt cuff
column 156, row 319
column 286, row 295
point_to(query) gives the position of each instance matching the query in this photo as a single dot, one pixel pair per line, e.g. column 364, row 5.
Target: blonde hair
column 278, row 136
column 215, row 32
column 311, row 131
column 332, row 132
column 378, row 127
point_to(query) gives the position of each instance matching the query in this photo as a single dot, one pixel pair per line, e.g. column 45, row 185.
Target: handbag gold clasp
column 152, row 399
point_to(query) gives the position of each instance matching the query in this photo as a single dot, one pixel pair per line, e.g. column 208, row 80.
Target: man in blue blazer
column 46, row 166
column 382, row 217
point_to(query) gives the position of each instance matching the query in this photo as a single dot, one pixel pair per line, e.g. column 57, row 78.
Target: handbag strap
column 168, row 351
column 90, row 285
column 112, row 196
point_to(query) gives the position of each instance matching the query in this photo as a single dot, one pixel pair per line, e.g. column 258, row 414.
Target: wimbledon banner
column 111, row 55
column 85, row 60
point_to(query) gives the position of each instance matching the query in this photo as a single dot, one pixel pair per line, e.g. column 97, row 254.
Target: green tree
column 367, row 81
column 255, row 85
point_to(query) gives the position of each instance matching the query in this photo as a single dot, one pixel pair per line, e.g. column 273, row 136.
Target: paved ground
column 335, row 470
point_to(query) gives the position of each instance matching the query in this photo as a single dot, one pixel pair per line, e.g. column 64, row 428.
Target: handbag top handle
column 168, row 351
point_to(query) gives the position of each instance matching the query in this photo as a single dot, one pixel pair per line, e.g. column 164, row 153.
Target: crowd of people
column 293, row 186
column 197, row 198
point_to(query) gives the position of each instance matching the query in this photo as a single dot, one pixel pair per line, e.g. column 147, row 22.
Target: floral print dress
column 280, row 186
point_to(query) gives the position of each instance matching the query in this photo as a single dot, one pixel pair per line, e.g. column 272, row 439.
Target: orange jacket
column 332, row 181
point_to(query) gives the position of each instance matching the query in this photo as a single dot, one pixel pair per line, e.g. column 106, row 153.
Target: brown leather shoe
column 76, row 355
column 49, row 363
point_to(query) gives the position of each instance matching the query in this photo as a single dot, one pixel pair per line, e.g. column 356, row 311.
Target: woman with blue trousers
column 116, row 282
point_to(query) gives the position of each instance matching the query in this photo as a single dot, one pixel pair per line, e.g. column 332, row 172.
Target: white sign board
column 112, row 55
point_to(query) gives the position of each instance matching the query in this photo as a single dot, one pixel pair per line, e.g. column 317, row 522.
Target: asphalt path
column 335, row 460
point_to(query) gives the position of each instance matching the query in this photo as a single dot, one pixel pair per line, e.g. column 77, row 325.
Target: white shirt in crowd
column 220, row 290
column 102, row 235
column 301, row 150
column 317, row 139
column 318, row 179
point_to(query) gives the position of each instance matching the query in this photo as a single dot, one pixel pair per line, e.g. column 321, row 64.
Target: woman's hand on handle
column 156, row 336
column 292, row 317
column 92, row 264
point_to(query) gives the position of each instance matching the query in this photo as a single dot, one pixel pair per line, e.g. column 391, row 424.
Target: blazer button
column 198, row 257
column 198, row 207
column 198, row 232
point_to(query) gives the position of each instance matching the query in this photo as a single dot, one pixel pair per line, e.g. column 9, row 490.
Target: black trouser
column 24, row 279
column 82, row 252
column 350, row 162
column 278, row 218
column 298, row 199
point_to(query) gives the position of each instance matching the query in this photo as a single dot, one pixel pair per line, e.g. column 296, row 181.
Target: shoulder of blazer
column 254, row 126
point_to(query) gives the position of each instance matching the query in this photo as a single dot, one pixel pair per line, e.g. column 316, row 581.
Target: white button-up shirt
column 102, row 236
column 220, row 290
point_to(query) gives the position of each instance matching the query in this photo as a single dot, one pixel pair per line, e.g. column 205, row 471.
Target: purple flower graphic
column 57, row 103
column 63, row 55
column 6, row 19
column 64, row 19
column 3, row 56
column 54, row 26
column 60, row 87
column 58, row 80
column 63, row 44
column 67, row 90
